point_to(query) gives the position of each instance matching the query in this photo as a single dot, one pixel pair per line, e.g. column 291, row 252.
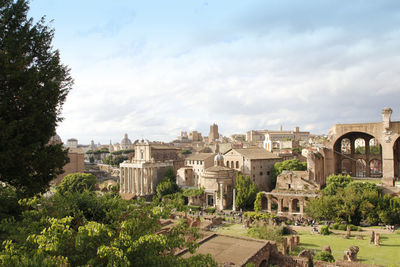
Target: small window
column 254, row 175
column 254, row 167
column 267, row 172
column 261, row 173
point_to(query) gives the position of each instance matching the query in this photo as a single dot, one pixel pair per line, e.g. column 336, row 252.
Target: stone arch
column 295, row 204
column 359, row 146
column 375, row 168
column 345, row 146
column 345, row 167
column 396, row 158
column 361, row 168
column 264, row 202
column 355, row 160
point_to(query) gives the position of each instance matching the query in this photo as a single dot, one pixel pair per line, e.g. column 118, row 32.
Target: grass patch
column 387, row 254
column 232, row 229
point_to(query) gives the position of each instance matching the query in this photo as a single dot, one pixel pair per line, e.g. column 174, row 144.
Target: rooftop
column 228, row 249
column 255, row 153
column 200, row 156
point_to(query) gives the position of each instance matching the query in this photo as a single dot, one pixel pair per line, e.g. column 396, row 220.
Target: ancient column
column 269, row 204
column 280, row 205
column 134, row 180
column 290, row 206
column 234, row 200
column 121, row 180
column 142, row 182
column 129, row 180
column 367, row 153
column 139, row 180
column 221, row 192
column 302, row 207
column 151, row 181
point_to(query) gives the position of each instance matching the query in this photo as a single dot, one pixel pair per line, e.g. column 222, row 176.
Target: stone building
column 195, row 165
column 216, row 179
column 75, row 160
column 140, row 175
column 195, row 136
column 72, row 143
column 126, row 143
column 364, row 149
column 284, row 139
column 213, row 135
column 256, row 163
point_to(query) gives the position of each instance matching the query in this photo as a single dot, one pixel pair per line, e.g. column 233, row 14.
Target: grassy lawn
column 386, row 255
column 231, row 229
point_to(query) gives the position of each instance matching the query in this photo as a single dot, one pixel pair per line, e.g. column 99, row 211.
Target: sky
column 154, row 68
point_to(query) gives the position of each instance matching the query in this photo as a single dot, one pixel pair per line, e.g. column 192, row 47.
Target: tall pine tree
column 33, row 87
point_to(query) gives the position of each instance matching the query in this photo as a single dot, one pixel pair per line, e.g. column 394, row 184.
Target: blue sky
column 154, row 68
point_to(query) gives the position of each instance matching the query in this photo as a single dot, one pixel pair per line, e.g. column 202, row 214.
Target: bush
column 266, row 233
column 325, row 230
column 77, row 182
column 324, row 256
column 343, row 227
column 210, row 210
column 194, row 207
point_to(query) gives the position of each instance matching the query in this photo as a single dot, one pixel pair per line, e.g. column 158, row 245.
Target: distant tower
column 213, row 135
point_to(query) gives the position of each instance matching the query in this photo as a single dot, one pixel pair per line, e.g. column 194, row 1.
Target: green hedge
column 343, row 227
column 210, row 210
column 194, row 207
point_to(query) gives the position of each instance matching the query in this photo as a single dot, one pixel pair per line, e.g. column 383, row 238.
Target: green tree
column 166, row 187
column 334, row 182
column 324, row 256
column 77, row 182
column 246, row 192
column 287, row 165
column 33, row 87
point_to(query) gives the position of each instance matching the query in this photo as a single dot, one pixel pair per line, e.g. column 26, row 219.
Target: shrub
column 210, row 210
column 324, row 256
column 194, row 207
column 77, row 182
column 325, row 230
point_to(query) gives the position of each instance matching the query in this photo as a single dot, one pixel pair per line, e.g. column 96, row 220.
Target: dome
column 218, row 157
column 55, row 140
column 126, row 142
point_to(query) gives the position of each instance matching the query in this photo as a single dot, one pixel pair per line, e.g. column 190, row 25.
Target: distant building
column 75, row 159
column 213, row 135
column 195, row 136
column 280, row 139
column 195, row 165
column 126, row 143
column 256, row 163
column 72, row 143
column 140, row 175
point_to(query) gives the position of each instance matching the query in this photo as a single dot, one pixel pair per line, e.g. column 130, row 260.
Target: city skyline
column 153, row 69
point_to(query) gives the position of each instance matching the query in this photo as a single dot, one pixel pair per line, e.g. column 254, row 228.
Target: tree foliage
column 85, row 229
column 353, row 202
column 246, row 192
column 33, row 87
column 287, row 165
column 77, row 182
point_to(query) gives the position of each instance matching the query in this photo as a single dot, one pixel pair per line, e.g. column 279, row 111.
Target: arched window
column 345, row 146
column 237, row 164
column 359, row 146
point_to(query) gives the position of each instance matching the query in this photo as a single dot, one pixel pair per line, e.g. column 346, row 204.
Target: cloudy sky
column 154, row 68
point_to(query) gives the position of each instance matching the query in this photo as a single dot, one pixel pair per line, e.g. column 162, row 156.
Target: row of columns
column 280, row 205
column 138, row 181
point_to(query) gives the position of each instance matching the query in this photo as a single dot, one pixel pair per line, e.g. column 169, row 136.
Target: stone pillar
column 129, row 180
column 280, row 205
column 126, row 180
column 234, row 200
column 302, row 207
column 145, row 181
column 141, row 182
column 269, row 204
column 290, row 205
column 135, row 181
column 151, row 181
column 221, row 194
column 121, row 180
column 367, row 153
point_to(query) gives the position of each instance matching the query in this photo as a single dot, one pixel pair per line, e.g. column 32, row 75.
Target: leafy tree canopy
column 246, row 192
column 77, row 182
column 33, row 87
